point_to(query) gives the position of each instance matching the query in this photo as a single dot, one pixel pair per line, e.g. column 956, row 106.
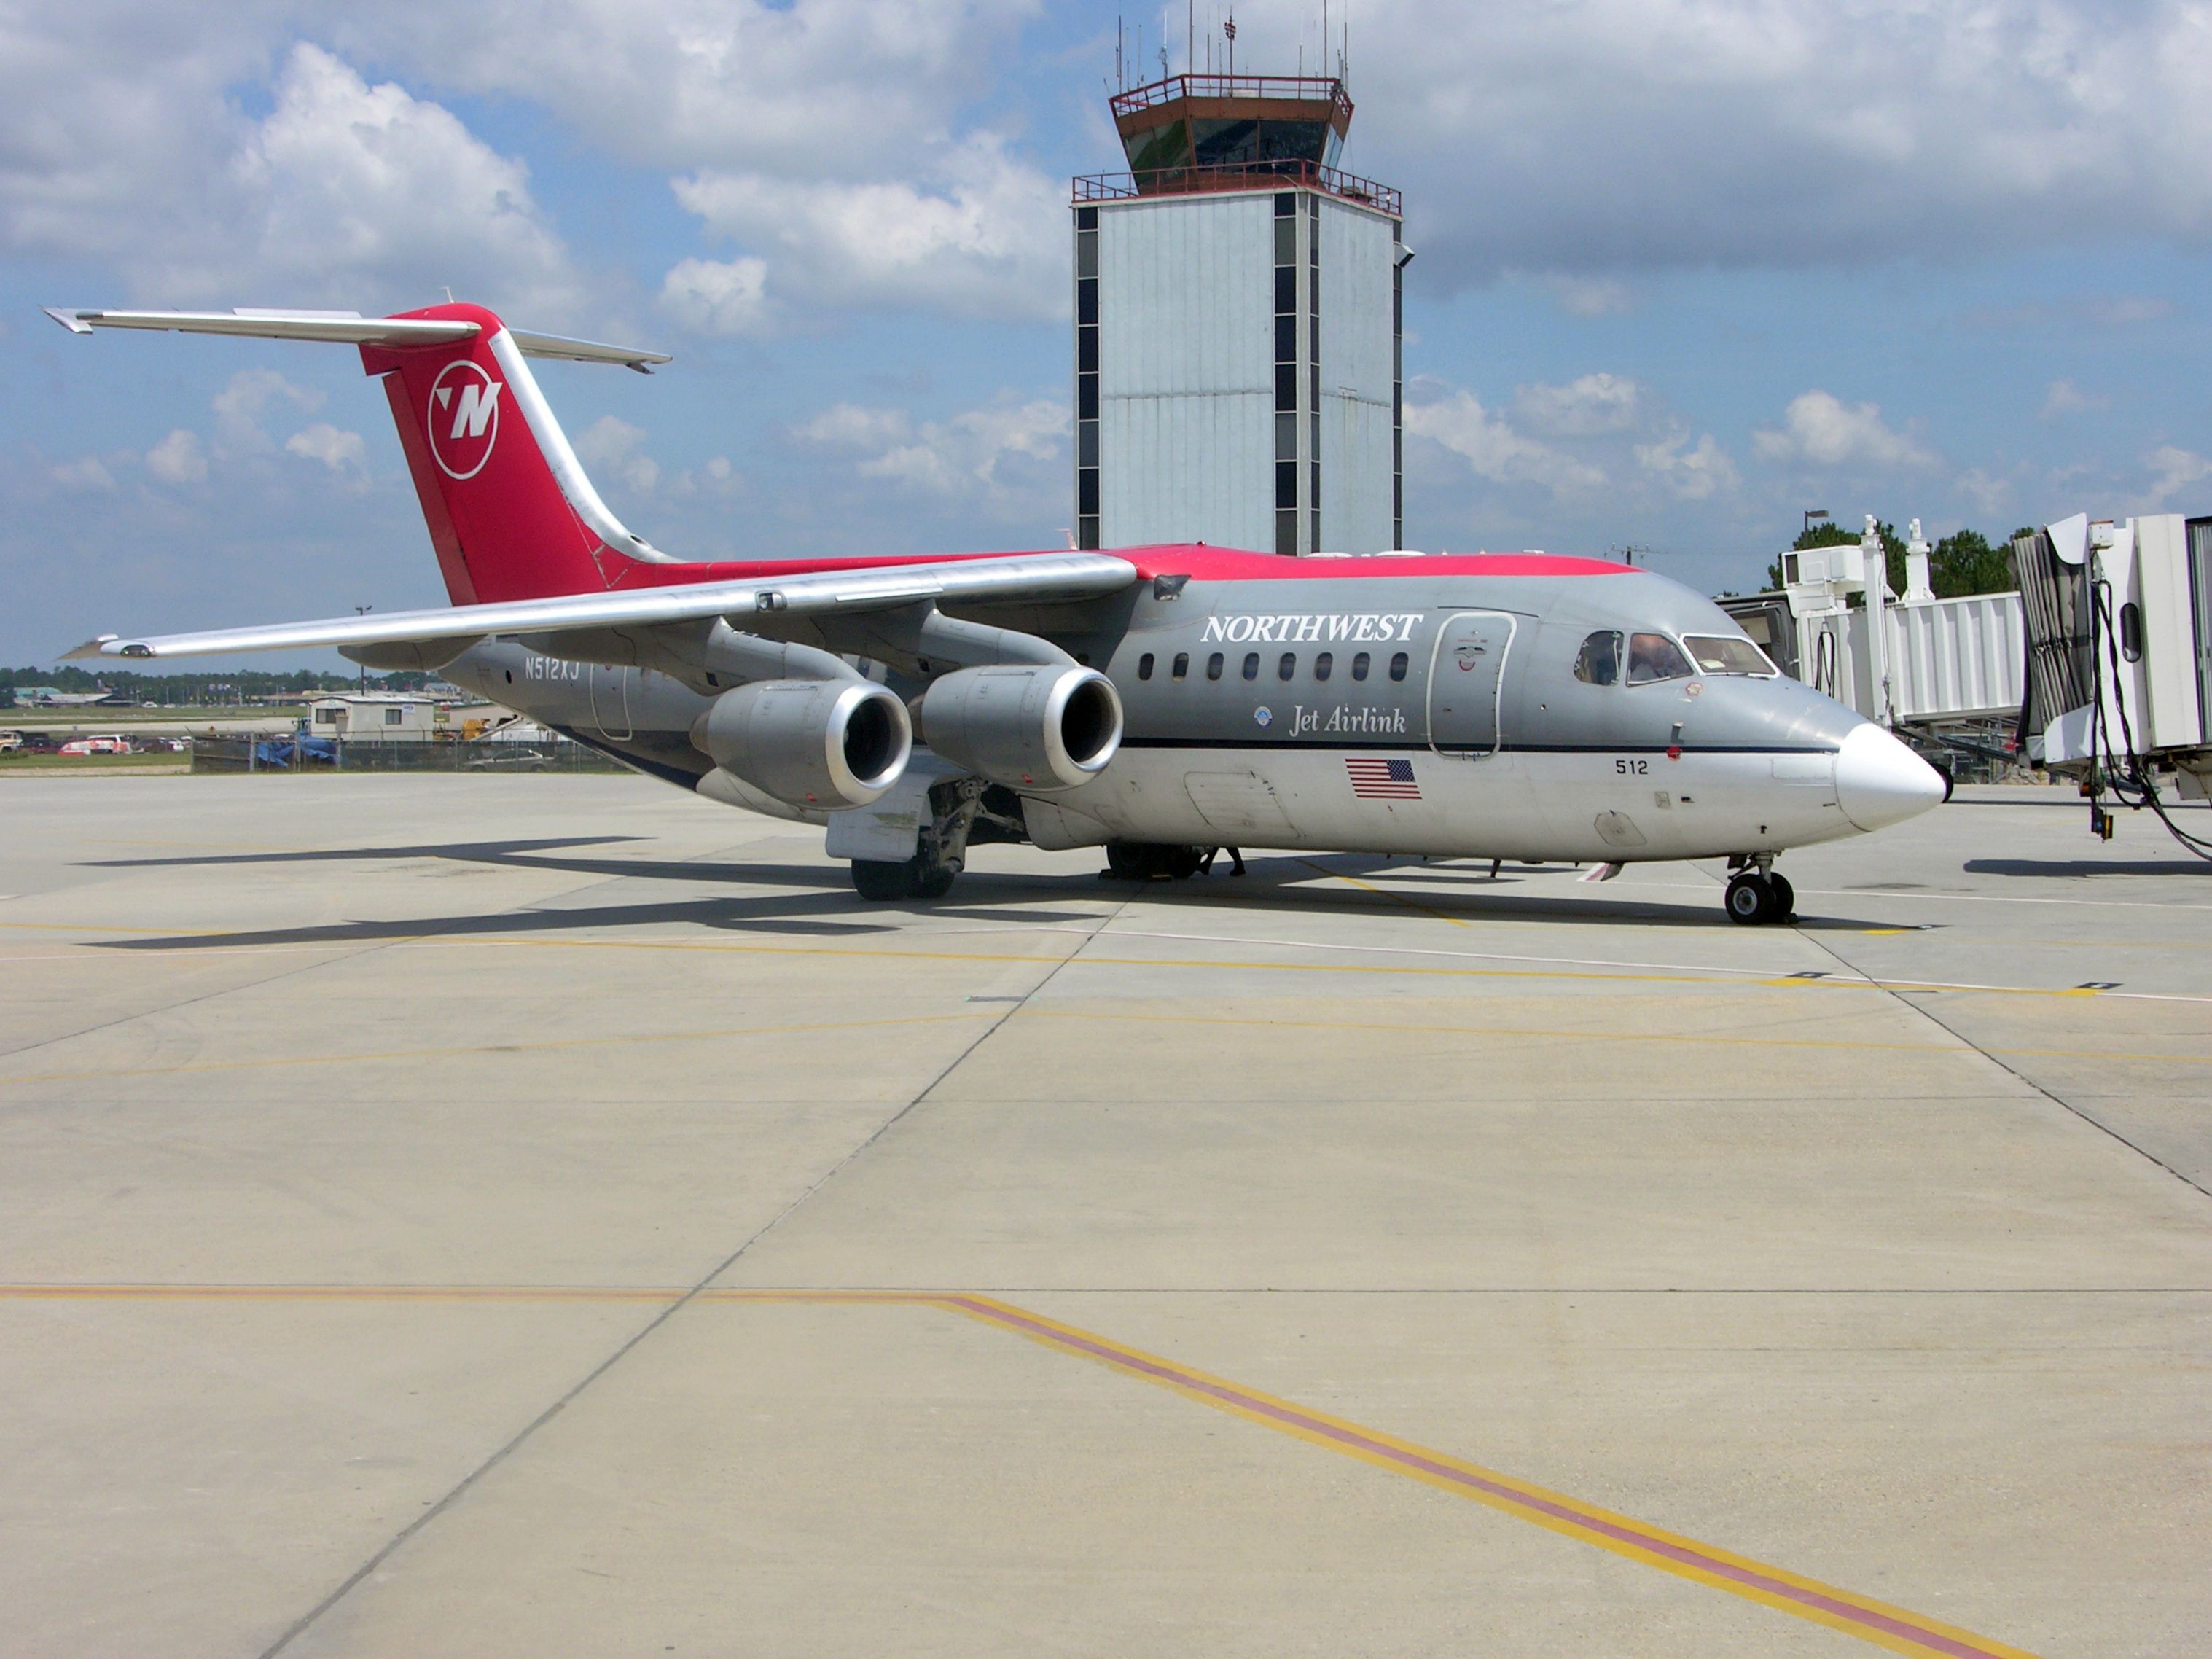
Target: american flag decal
column 1382, row 779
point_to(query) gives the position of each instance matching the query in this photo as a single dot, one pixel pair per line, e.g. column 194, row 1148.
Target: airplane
column 1156, row 701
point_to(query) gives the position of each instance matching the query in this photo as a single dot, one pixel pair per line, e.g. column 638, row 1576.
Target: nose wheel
column 1756, row 897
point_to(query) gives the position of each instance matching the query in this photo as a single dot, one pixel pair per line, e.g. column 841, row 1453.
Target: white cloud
column 1593, row 404
column 962, row 456
column 799, row 88
column 1495, row 451
column 1695, row 474
column 2064, row 397
column 716, row 297
column 342, row 453
column 244, row 398
column 617, row 448
column 1990, row 494
column 1820, row 429
column 121, row 139
column 1592, row 297
column 982, row 235
column 2174, row 470
column 86, row 472
column 178, row 459
column 1621, row 135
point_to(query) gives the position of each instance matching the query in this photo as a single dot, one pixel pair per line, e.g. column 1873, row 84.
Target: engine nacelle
column 823, row 744
column 1028, row 727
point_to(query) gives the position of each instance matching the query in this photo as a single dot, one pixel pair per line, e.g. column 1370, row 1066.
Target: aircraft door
column 610, row 700
column 1466, row 679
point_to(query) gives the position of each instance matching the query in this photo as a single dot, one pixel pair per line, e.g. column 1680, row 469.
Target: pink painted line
column 1831, row 1606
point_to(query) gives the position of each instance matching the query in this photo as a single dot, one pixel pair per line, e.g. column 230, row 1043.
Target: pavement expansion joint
column 1794, row 1594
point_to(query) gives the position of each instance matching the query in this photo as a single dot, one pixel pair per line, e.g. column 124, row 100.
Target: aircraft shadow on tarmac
column 2173, row 866
column 826, row 907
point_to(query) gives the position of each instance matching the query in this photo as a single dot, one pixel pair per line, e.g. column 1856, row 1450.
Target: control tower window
column 1598, row 663
column 1655, row 657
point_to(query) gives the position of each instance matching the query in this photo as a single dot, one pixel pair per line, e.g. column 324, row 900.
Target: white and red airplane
column 1154, row 700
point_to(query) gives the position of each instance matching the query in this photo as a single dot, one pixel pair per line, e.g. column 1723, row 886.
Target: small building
column 376, row 717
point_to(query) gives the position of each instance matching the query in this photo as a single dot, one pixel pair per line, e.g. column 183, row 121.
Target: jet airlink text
column 1378, row 627
column 1365, row 719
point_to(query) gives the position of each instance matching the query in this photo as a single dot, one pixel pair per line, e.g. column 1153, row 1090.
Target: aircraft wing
column 1012, row 579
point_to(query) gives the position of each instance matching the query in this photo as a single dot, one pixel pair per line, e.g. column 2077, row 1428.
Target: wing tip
column 70, row 316
column 99, row 645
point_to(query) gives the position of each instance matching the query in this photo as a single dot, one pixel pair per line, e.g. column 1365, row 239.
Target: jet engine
column 823, row 744
column 1028, row 727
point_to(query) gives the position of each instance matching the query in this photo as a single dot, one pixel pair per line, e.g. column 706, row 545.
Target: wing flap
column 1038, row 576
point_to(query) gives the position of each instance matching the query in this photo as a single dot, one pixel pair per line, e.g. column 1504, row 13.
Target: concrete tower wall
column 1187, row 370
column 1359, row 379
column 1204, row 428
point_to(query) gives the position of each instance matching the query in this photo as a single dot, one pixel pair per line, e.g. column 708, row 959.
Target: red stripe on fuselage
column 1211, row 564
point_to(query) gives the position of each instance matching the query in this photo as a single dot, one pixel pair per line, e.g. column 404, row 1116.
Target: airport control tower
column 1237, row 322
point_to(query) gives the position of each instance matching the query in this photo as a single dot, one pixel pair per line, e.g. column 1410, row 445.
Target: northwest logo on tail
column 463, row 419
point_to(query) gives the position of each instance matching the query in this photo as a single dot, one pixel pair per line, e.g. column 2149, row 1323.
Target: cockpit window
column 1724, row 653
column 1655, row 657
column 1599, row 662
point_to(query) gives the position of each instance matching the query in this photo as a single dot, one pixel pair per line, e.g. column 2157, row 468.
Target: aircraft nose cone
column 1879, row 781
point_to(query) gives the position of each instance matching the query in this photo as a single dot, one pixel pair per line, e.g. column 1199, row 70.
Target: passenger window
column 1252, row 666
column 1599, row 661
column 1360, row 666
column 1213, row 667
column 1322, row 663
column 1399, row 664
column 1724, row 653
column 1288, row 666
column 1655, row 657
column 1181, row 669
column 1144, row 666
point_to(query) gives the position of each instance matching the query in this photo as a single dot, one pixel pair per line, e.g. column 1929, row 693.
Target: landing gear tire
column 883, row 881
column 1749, row 900
column 1147, row 861
column 1755, row 899
column 1785, row 897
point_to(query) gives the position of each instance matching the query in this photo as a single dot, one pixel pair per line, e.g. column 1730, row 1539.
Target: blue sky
column 1684, row 269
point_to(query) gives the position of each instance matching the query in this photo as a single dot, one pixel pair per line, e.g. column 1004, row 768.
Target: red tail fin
column 511, row 515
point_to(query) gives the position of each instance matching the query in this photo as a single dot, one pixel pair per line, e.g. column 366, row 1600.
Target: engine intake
column 1028, row 727
column 823, row 744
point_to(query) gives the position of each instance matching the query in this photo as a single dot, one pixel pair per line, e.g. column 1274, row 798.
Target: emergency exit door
column 1466, row 683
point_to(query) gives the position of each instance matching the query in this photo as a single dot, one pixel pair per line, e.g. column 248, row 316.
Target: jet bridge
column 1910, row 659
column 2119, row 615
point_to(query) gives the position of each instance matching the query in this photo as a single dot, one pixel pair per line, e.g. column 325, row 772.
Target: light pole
column 1811, row 514
column 362, row 610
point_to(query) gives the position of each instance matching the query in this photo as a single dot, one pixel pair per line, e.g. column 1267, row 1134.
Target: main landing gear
column 1146, row 861
column 922, row 876
column 1757, row 893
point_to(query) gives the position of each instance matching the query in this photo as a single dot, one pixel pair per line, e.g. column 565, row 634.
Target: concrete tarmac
column 554, row 1215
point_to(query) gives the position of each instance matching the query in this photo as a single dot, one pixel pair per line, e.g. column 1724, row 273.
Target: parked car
column 102, row 745
column 10, row 742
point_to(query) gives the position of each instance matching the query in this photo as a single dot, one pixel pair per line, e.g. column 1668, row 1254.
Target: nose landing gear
column 1757, row 893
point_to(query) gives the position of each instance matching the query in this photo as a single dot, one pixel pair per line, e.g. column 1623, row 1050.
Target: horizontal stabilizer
column 348, row 328
column 1013, row 579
